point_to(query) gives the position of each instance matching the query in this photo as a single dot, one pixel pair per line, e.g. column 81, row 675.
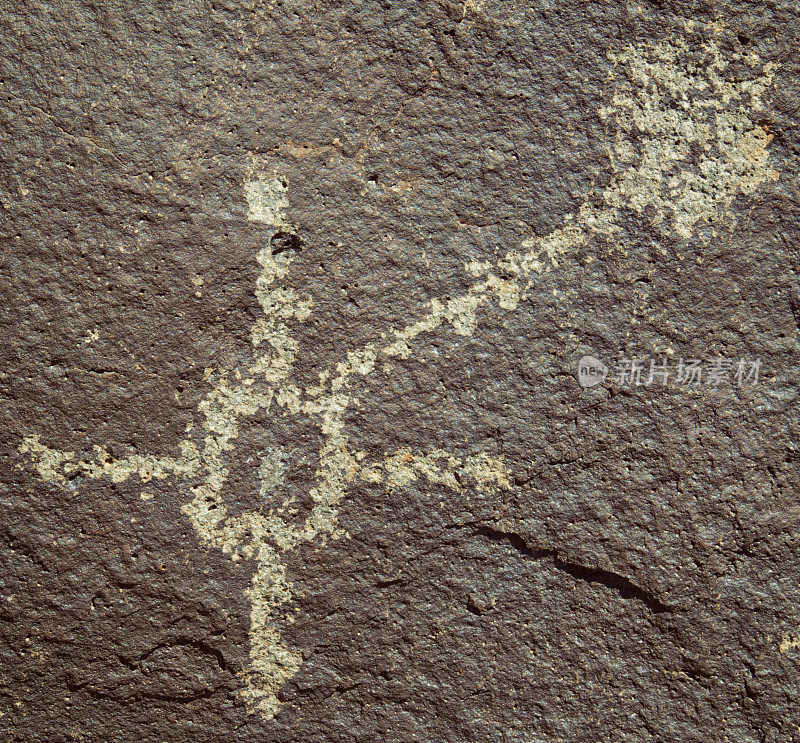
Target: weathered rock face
column 297, row 446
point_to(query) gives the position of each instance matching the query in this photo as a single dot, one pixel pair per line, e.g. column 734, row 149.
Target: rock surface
column 294, row 298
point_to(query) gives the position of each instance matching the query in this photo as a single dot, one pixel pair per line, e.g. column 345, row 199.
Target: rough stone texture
column 633, row 578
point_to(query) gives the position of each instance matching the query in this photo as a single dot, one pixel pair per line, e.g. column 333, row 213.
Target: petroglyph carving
column 667, row 101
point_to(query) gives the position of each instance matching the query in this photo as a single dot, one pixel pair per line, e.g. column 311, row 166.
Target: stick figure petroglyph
column 668, row 99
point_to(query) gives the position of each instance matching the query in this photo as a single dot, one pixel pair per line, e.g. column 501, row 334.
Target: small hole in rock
column 285, row 244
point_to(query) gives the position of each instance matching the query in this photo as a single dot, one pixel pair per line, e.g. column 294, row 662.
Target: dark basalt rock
column 503, row 555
